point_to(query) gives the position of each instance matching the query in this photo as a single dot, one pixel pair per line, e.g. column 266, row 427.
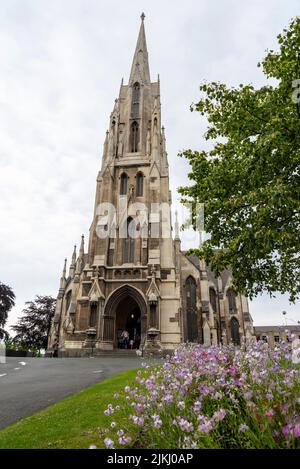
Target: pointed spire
column 74, row 255
column 73, row 263
column 80, row 261
column 81, row 250
column 63, row 277
column 140, row 65
column 105, row 146
column 65, row 268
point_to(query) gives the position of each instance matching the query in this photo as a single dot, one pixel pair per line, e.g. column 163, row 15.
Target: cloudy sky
column 61, row 64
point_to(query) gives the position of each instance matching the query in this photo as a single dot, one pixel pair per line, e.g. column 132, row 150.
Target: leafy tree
column 32, row 329
column 249, row 180
column 7, row 301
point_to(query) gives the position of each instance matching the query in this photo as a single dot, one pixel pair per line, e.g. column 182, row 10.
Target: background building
column 274, row 334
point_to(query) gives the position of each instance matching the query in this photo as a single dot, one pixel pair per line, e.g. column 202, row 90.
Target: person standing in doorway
column 125, row 337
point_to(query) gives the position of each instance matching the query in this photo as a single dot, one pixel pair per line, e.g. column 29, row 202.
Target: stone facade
column 142, row 283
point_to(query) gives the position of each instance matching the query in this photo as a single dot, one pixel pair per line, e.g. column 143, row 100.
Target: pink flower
column 243, row 427
column 297, row 430
column 157, row 421
column 168, row 399
column 232, row 370
column 124, row 440
column 270, row 413
column 139, row 421
column 285, row 408
column 205, row 427
column 185, row 425
column 197, row 407
column 287, row 429
column 109, row 443
column 109, row 410
column 219, row 415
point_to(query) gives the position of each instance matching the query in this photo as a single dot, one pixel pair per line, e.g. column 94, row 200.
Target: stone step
column 115, row 352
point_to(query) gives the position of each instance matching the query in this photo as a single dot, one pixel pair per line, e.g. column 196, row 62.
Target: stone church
column 133, row 275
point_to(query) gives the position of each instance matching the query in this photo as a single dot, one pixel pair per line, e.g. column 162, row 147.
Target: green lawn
column 71, row 423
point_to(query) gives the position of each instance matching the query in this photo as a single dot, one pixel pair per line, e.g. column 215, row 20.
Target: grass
column 73, row 422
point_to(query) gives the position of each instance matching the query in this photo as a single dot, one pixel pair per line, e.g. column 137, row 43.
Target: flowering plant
column 212, row 397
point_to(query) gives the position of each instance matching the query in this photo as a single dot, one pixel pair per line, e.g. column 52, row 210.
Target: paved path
column 30, row 384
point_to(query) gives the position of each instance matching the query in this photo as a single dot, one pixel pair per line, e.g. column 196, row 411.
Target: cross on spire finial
column 143, row 16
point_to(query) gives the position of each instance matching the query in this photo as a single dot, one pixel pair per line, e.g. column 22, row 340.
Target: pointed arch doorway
column 128, row 318
column 125, row 310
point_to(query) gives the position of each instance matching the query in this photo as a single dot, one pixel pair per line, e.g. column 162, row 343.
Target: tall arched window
column 135, row 100
column 68, row 300
column 139, row 184
column 235, row 331
column 191, row 306
column 134, row 137
column 213, row 299
column 231, row 301
column 123, row 184
column 128, row 244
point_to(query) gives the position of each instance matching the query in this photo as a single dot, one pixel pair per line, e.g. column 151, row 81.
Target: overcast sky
column 61, row 64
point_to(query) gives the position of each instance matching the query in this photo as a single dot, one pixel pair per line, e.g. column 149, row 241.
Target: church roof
column 194, row 260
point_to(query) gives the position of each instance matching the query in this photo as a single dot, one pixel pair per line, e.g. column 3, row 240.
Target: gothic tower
column 127, row 280
column 134, row 277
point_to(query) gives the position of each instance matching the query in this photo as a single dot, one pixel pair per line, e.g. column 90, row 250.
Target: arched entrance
column 128, row 318
column 235, row 331
column 125, row 310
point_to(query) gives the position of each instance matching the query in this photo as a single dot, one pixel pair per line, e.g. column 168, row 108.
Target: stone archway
column 125, row 309
column 128, row 318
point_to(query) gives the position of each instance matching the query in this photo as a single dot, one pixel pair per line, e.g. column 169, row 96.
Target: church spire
column 73, row 264
column 81, row 250
column 140, row 65
column 63, row 277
